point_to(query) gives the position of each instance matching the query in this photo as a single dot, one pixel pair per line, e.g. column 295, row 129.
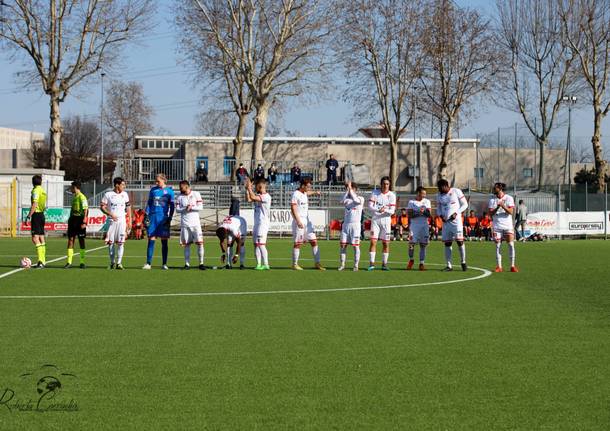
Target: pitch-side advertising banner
column 56, row 219
column 281, row 219
column 567, row 223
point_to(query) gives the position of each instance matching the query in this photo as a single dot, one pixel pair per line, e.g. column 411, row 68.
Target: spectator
column 259, row 173
column 403, row 224
column 331, row 170
column 472, row 226
column 521, row 220
column 437, row 226
column 272, row 173
column 394, row 226
column 137, row 227
column 202, row 173
column 295, row 174
column 485, row 224
column 242, row 173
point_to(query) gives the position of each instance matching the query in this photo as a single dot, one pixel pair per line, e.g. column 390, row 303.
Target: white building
column 15, row 147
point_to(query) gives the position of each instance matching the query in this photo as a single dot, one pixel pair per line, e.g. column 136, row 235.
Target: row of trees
column 399, row 58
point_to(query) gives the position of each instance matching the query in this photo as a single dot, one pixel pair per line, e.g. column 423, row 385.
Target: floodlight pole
column 102, row 131
column 570, row 100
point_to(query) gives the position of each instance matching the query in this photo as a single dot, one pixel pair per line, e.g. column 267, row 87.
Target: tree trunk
column 393, row 159
column 260, row 126
column 238, row 143
column 55, row 131
column 442, row 166
column 541, row 145
column 600, row 163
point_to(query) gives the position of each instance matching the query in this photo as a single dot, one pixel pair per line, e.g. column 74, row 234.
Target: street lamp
column 570, row 100
column 102, row 132
column 415, row 146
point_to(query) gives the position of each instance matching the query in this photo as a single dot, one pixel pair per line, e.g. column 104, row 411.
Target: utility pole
column 102, row 131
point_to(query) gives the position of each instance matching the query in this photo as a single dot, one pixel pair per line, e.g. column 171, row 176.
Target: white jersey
column 116, row 204
column 302, row 203
column 379, row 200
column 262, row 210
column 452, row 202
column 501, row 219
column 421, row 212
column 353, row 207
column 235, row 225
column 189, row 217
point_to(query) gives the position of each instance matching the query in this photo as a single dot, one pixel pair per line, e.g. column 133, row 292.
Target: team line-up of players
column 232, row 231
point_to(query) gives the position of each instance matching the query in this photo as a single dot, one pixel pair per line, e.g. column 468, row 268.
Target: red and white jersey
column 301, row 201
column 452, row 202
column 502, row 220
column 420, row 216
column 116, row 204
column 189, row 217
column 235, row 225
column 354, row 205
column 379, row 200
column 262, row 210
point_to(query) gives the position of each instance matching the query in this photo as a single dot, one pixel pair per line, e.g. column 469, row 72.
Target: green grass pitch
column 509, row 351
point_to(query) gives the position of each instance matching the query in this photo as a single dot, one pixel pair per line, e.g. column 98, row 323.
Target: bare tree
column 127, row 113
column 275, row 47
column 67, row 41
column 538, row 69
column 587, row 30
column 215, row 122
column 461, row 62
column 80, row 148
column 379, row 45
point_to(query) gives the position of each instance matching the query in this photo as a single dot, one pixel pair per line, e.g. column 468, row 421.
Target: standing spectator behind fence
column 331, row 170
column 202, row 173
column 295, row 174
column 272, row 173
column 521, row 220
column 242, row 173
column 259, row 173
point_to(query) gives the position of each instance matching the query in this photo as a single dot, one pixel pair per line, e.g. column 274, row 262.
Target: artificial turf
column 509, row 351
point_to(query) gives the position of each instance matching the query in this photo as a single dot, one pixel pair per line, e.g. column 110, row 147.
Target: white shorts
column 191, row 234
column 381, row 229
column 453, row 231
column 299, row 236
column 350, row 234
column 419, row 234
column 117, row 232
column 500, row 234
column 259, row 234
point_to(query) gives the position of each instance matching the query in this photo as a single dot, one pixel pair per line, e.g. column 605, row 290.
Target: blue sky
column 156, row 64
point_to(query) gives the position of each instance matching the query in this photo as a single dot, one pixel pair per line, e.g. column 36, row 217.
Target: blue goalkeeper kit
column 160, row 210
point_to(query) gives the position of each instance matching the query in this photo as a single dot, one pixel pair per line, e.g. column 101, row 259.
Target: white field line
column 484, row 273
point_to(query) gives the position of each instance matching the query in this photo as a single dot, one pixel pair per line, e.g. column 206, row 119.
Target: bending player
column 451, row 203
column 233, row 230
column 501, row 208
column 115, row 204
column 262, row 220
column 302, row 228
column 77, row 224
column 382, row 204
column 419, row 230
column 351, row 229
column 160, row 210
column 188, row 204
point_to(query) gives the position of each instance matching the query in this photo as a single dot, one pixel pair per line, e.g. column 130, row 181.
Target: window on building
column 478, row 172
column 528, row 172
column 158, row 144
column 143, row 143
column 228, row 164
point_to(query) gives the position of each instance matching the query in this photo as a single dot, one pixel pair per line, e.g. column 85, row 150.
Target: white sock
column 411, row 252
column 422, row 253
column 230, row 256
column 511, row 253
column 384, row 258
column 187, row 254
column 462, row 249
column 448, row 255
column 372, row 257
column 201, row 253
column 120, row 251
column 264, row 254
column 356, row 255
column 257, row 254
column 342, row 256
column 499, row 254
column 315, row 250
column 242, row 255
column 111, row 253
column 295, row 255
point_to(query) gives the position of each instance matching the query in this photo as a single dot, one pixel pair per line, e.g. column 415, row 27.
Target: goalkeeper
column 159, row 213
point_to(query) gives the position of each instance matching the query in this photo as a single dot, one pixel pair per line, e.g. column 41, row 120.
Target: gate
column 8, row 209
